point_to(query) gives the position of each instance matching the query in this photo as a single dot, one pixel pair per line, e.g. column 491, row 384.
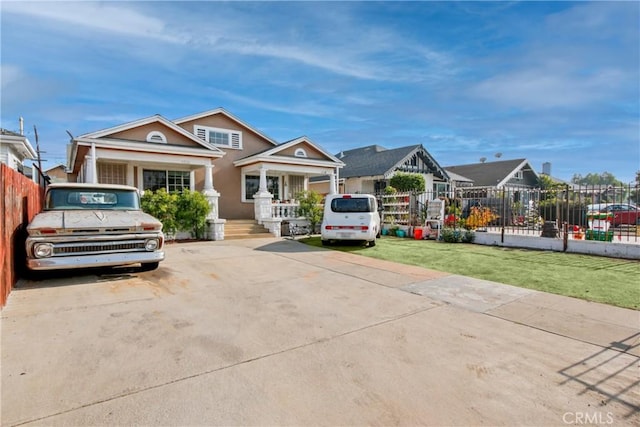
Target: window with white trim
column 172, row 181
column 519, row 175
column 157, row 137
column 112, row 173
column 219, row 137
column 252, row 185
column 300, row 152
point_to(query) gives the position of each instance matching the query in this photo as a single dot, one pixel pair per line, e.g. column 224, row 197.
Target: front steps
column 244, row 229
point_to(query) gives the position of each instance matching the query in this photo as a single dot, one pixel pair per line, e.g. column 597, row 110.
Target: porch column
column 208, row 177
column 215, row 225
column 332, row 183
column 262, row 199
column 210, row 193
column 263, row 180
column 92, row 166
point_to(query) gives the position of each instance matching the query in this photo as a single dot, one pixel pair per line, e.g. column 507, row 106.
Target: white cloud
column 110, row 17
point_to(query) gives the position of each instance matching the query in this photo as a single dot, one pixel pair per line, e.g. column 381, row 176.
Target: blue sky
column 546, row 81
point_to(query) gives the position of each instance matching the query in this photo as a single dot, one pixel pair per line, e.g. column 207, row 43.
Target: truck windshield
column 91, row 198
column 354, row 204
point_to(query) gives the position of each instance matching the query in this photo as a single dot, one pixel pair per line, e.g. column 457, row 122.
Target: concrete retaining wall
column 590, row 247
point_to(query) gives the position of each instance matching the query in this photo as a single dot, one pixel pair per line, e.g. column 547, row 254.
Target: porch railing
column 285, row 210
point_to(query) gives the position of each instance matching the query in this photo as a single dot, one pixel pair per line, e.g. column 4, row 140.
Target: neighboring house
column 240, row 169
column 15, row 149
column 501, row 174
column 368, row 169
column 57, row 173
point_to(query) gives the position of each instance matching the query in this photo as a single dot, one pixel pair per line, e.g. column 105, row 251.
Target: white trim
column 24, row 146
column 228, row 115
column 513, row 172
column 303, row 139
column 300, row 153
column 243, row 185
column 145, row 121
column 149, row 148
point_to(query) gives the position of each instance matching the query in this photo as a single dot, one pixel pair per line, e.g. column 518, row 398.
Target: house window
column 157, row 137
column 519, row 175
column 219, row 137
column 296, row 185
column 252, row 185
column 172, row 181
column 300, row 153
column 112, row 173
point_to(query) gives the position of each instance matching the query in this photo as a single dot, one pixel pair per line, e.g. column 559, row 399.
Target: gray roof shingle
column 487, row 174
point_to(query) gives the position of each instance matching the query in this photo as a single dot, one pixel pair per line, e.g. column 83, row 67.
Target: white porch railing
column 284, row 210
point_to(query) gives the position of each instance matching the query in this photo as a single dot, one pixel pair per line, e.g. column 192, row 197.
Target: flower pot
column 400, row 233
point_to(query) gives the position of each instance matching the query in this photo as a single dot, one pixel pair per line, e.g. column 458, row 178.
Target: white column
column 208, row 177
column 92, row 165
column 88, row 167
column 263, row 180
column 332, row 183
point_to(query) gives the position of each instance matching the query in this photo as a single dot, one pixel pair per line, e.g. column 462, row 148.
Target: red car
column 623, row 214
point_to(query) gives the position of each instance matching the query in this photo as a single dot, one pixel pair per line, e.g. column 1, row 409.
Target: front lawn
column 607, row 280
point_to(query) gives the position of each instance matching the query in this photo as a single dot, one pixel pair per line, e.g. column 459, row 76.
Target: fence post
column 565, row 238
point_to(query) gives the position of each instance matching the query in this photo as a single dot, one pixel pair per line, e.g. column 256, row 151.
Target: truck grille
column 64, row 249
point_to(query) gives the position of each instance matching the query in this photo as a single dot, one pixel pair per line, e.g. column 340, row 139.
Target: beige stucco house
column 244, row 173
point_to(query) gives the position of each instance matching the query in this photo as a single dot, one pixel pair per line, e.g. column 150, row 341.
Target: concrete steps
column 244, row 229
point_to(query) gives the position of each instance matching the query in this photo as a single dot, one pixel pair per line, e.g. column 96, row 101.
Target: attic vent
column 300, row 153
column 235, row 140
column 157, row 137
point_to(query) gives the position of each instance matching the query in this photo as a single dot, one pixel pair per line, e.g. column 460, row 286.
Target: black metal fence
column 567, row 209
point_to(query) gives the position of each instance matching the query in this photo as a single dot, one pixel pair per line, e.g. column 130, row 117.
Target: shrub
column 456, row 235
column 480, row 217
column 192, row 211
column 310, row 207
column 161, row 205
column 407, row 182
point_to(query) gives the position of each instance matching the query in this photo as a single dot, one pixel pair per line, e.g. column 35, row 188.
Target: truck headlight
column 151, row 245
column 43, row 250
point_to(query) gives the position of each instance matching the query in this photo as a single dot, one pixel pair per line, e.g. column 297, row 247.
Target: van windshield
column 354, row 204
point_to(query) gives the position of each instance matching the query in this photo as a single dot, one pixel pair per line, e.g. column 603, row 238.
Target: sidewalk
column 273, row 332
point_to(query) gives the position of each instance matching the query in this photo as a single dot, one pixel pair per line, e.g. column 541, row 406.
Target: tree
column 192, row 211
column 161, row 205
column 605, row 178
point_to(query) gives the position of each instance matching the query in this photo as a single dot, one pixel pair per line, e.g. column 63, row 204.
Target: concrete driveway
column 272, row 332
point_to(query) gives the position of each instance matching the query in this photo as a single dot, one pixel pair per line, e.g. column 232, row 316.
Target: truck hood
column 102, row 221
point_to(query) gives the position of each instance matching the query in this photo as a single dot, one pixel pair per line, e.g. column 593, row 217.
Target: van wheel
column 372, row 243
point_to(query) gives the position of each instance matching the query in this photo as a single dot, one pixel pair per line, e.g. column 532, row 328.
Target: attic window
column 519, row 175
column 157, row 137
column 219, row 137
column 300, row 153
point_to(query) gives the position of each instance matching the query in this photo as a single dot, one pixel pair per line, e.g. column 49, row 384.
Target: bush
column 456, row 235
column 407, row 182
column 161, row 205
column 310, row 207
column 192, row 210
column 186, row 211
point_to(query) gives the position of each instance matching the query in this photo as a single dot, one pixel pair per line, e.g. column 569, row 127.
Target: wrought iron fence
column 564, row 210
column 604, row 213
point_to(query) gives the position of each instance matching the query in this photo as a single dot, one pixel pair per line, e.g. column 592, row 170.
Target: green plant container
column 602, row 236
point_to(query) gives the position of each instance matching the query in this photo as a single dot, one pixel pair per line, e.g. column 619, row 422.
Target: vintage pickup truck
column 93, row 225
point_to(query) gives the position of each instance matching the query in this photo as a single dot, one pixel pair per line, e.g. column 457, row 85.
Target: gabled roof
column 19, row 142
column 224, row 112
column 157, row 118
column 375, row 160
column 270, row 154
column 491, row 174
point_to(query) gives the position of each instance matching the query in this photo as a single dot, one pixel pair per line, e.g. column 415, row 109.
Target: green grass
column 606, row 280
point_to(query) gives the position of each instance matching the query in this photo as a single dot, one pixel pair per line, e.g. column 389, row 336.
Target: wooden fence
column 20, row 200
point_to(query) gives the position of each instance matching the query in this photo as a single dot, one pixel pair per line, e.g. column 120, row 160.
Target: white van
column 350, row 217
